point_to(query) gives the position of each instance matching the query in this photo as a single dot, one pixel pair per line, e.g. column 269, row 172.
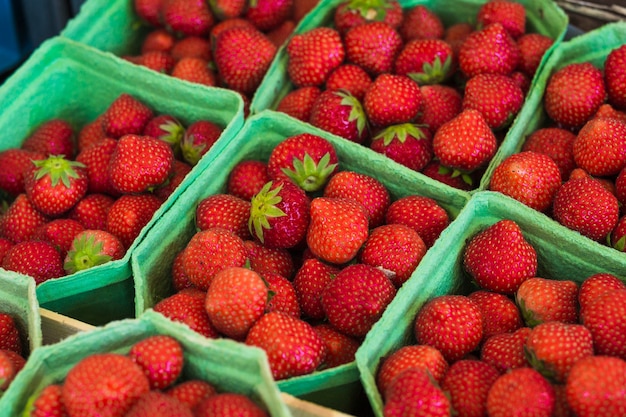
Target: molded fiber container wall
column 18, row 299
column 64, row 79
column 594, row 47
column 560, row 254
column 153, row 258
column 229, row 366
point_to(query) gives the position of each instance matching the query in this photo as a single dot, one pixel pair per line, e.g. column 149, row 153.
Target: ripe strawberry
column 499, row 258
column 227, row 9
column 351, row 13
column 340, row 113
column 229, row 404
column 242, row 57
column 426, row 61
column 48, row 403
column 495, row 96
column 91, row 132
column 414, row 393
column 160, row 357
column 187, row 307
column 410, row 356
column 279, row 215
column 468, row 383
column 542, row 300
column 281, row 33
column 500, row 314
column 179, row 172
column 585, row 206
column 555, row 142
column 529, row 177
column 86, row 389
column 129, row 214
column 466, row 142
column 421, row 23
column 191, row 392
column 505, row 351
column 180, row 280
column 600, row 147
column 299, row 102
column 351, row 78
column 52, row 137
column 269, row 260
column 291, row 345
column 96, row 160
column 91, row 248
column 5, row 245
column 574, row 93
column 158, row 39
column 165, row 127
column 92, row 211
column 522, row 391
column 490, row 50
column 595, row 286
column 313, row 55
column 309, row 283
column 340, row 349
column 456, row 34
column 187, row 17
column 407, row 144
column 608, row 111
column 7, row 371
column 532, row 47
column 34, row 258
column 453, row 324
column 422, row 214
column 247, row 178
column 356, row 298
column 268, row 14
column 282, row 295
column 192, row 46
column 15, row 163
column 440, row 105
column 392, row 99
column 196, row 70
column 198, row 139
column 160, row 403
column 10, row 334
column 615, row 77
column 157, row 61
column 21, row 220
column 595, row 387
column 60, row 232
column 225, row 211
column 605, row 319
column 125, row 115
column 511, row 15
column 373, row 46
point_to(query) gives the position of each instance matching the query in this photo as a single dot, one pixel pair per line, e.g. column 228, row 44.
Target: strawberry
column 595, row 387
column 125, row 115
column 86, row 389
column 426, row 61
column 302, row 7
column 615, row 77
column 620, row 187
column 198, row 139
column 453, row 324
column 180, row 280
column 522, row 81
column 532, row 47
column 165, row 127
column 340, row 349
column 499, row 258
column 595, row 286
column 468, row 383
column 268, row 14
column 421, row 23
column 7, row 371
column 441, row 104
column 128, row 215
column 229, row 404
column 91, row 248
column 225, row 211
column 414, row 393
column 495, row 96
column 224, row 25
column 180, row 169
column 373, row 46
column 364, row 189
column 91, row 132
column 585, row 206
column 422, row 214
column 456, row 34
column 522, row 391
column 161, row 359
column 282, row 295
column 158, row 39
column 574, row 93
column 187, row 17
column 191, row 392
column 21, row 220
column 410, row 356
column 48, row 403
column 157, row 402
column 15, row 163
column 96, row 159
column 340, row 113
column 351, row 78
column 529, row 177
column 291, row 345
column 555, row 142
column 187, row 307
column 505, row 351
column 600, row 147
column 10, row 334
column 542, row 300
column 5, row 245
column 52, row 137
column 236, row 299
column 500, row 314
column 511, row 15
column 196, row 70
column 281, row 33
column 149, row 11
column 490, row 50
column 157, row 61
column 606, row 110
column 35, row 258
column 227, row 9
column 242, row 57
column 269, row 260
column 59, row 232
column 351, row 13
column 192, row 46
column 247, row 178
column 92, row 211
column 210, row 251
column 356, row 298
column 466, row 142
column 279, row 215
column 299, row 102
column 408, row 144
column 307, row 160
column 309, row 283
column 605, row 319
column 313, row 55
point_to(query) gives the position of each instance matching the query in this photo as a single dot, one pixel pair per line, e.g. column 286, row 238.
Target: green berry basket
column 18, row 299
column 64, row 79
column 229, row 366
column 152, row 260
column 560, row 255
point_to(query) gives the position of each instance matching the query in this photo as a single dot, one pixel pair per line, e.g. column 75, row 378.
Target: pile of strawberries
column 519, row 345
column 434, row 99
column 574, row 167
column 299, row 257
column 146, row 381
column 79, row 199
column 12, row 352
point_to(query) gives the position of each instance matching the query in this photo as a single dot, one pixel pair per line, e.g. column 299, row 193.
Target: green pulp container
column 18, row 299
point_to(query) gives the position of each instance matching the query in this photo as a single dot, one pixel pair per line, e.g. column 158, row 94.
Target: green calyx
column 58, row 169
column 263, row 207
column 86, row 253
column 401, row 132
column 435, row 73
column 541, row 366
column 192, row 152
column 370, row 9
column 620, row 244
column 174, row 133
column 309, row 175
column 528, row 316
column 453, row 173
column 356, row 110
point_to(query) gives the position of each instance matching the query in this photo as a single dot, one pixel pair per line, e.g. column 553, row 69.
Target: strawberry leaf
column 58, row 169
column 263, row 207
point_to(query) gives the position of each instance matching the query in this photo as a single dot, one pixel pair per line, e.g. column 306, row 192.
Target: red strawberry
column 505, row 351
column 600, row 147
column 574, row 93
column 421, row 23
column 615, row 77
column 191, row 392
column 158, row 39
column 247, row 178
column 49, row 403
column 595, row 387
column 299, row 102
column 268, row 14
column 227, row 9
column 340, row 113
column 542, row 300
column 160, row 357
column 522, row 391
column 440, row 105
column 490, row 50
column 199, row 137
column 125, row 115
column 86, row 389
column 555, row 142
column 35, row 258
column 422, row 214
column 229, row 404
column 224, row 25
column 468, row 382
column 15, row 163
column 269, row 260
column 351, row 13
column 499, row 258
column 595, row 286
column 7, row 371
column 529, row 177
column 187, row 17
column 313, row 55
column 91, row 248
column 180, row 280
column 5, row 245
column 196, row 70
column 414, row 393
column 187, row 307
column 620, row 187
column 426, row 61
column 281, row 33
column 340, row 349
column 309, row 283
column 192, row 46
column 606, row 110
column 53, row 137
column 92, row 211
column 292, row 346
column 179, row 172
column 500, row 314
column 10, row 334
column 165, row 127
column 373, row 46
column 408, row 144
column 605, row 318
column 225, row 211
column 456, row 34
column 156, row 61
column 511, row 15
column 96, row 160
column 21, row 220
column 129, row 214
column 59, row 232
column 465, row 142
column 495, row 96
column 282, row 295
column 532, row 47
column 451, row 323
column 392, row 99
column 91, row 132
column 157, row 402
column 351, row 78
